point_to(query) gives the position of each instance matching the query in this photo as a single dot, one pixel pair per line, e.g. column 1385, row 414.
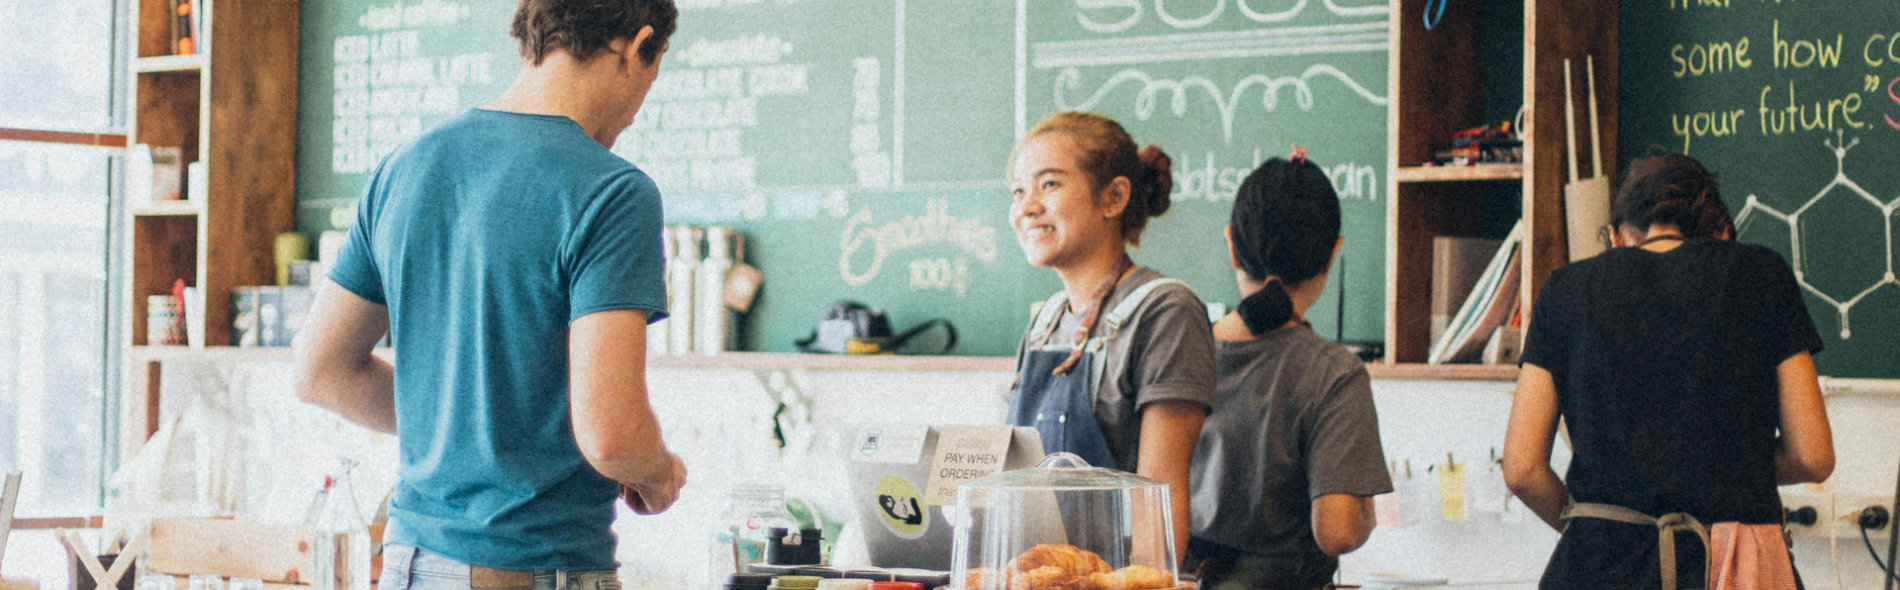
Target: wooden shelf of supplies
column 165, row 208
column 168, row 63
column 1384, row 370
column 1441, row 83
column 1473, row 173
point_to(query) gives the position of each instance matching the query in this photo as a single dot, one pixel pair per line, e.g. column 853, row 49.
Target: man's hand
column 650, row 500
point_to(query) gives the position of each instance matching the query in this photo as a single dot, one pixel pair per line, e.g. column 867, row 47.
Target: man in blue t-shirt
column 515, row 263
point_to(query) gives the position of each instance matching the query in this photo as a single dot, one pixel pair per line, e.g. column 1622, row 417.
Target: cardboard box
column 1457, row 263
column 231, row 548
column 241, row 549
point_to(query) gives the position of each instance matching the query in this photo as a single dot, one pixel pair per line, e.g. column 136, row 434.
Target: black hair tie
column 1266, row 309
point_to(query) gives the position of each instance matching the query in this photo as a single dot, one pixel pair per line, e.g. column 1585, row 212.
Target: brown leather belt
column 488, row 578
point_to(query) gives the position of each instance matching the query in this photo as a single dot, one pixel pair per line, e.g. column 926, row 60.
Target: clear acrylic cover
column 1064, row 525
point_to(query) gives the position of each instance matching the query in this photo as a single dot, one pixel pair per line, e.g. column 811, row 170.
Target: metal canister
column 717, row 329
column 681, row 282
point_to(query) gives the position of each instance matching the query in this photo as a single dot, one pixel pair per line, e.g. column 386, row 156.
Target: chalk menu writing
column 375, row 75
column 386, row 84
column 1856, row 91
column 1222, row 87
column 1795, row 105
column 860, row 145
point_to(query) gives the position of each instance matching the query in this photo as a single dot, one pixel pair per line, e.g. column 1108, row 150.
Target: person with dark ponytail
column 1682, row 364
column 1118, row 368
column 1288, row 462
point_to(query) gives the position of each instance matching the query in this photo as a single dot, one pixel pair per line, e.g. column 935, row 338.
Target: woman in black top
column 1681, row 363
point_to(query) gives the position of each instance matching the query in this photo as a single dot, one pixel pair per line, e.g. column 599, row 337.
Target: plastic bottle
column 715, row 332
column 340, row 543
column 680, row 285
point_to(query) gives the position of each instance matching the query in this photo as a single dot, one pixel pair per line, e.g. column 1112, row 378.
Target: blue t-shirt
column 486, row 237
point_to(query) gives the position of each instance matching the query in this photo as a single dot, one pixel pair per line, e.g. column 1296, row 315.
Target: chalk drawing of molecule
column 1846, row 188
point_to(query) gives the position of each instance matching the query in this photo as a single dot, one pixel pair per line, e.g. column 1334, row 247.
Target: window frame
column 112, row 140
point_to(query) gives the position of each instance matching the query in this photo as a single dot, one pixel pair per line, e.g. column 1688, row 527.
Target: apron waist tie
column 1666, row 525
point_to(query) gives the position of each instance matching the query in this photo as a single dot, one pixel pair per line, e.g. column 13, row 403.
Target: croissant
column 1134, row 577
column 974, row 580
column 1047, row 577
column 1068, row 558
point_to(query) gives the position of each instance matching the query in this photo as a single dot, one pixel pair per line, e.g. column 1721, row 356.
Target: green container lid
column 795, row 583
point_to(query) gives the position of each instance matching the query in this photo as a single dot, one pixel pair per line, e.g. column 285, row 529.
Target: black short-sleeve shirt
column 1665, row 365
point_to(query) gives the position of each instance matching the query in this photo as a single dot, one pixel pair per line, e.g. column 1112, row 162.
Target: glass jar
column 740, row 538
column 1064, row 524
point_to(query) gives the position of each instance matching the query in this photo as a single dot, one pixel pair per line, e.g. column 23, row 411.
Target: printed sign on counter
column 902, row 444
column 965, row 453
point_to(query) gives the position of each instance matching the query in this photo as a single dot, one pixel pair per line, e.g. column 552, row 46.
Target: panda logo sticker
column 902, row 507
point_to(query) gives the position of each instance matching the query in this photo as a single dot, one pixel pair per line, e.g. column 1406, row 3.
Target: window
column 53, row 238
column 61, row 64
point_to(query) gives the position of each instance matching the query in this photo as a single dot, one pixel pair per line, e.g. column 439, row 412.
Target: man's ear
column 630, row 52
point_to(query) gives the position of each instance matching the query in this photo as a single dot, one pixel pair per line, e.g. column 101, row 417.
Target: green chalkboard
column 1796, row 105
column 860, row 144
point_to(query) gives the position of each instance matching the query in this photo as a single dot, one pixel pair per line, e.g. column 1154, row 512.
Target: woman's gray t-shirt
column 1293, row 420
column 1164, row 351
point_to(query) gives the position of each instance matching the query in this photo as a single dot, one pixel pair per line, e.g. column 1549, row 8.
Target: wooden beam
column 58, row 522
column 104, row 140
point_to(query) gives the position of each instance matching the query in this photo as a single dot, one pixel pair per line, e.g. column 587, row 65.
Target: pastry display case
column 1064, row 525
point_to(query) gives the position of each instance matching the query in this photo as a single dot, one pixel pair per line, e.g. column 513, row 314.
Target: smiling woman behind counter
column 1118, row 367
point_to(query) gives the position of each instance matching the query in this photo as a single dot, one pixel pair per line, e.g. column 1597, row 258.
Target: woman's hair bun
column 1158, row 169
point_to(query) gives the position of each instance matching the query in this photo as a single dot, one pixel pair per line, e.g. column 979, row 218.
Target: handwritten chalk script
column 936, row 226
column 1147, row 97
column 1178, row 19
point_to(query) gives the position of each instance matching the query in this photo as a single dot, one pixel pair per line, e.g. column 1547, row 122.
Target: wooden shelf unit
column 168, row 63
column 232, row 106
column 166, row 208
column 1439, row 82
column 1473, row 173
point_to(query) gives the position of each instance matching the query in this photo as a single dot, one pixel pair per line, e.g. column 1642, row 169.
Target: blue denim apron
column 1060, row 407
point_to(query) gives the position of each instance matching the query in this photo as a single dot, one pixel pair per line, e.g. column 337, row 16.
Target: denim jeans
column 410, row 568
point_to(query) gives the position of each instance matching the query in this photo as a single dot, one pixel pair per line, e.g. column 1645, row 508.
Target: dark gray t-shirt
column 1164, row 351
column 1293, row 420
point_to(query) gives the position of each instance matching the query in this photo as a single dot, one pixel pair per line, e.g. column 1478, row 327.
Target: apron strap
column 1045, row 321
column 1115, row 317
column 1666, row 528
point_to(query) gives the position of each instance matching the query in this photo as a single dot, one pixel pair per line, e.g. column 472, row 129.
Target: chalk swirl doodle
column 1135, row 10
column 1148, row 97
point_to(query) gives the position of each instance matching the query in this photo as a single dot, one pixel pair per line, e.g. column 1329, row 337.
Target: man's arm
column 614, row 424
column 335, row 365
column 1527, row 444
column 1342, row 522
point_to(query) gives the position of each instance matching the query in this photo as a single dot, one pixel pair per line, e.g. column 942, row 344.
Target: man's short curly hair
column 583, row 28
